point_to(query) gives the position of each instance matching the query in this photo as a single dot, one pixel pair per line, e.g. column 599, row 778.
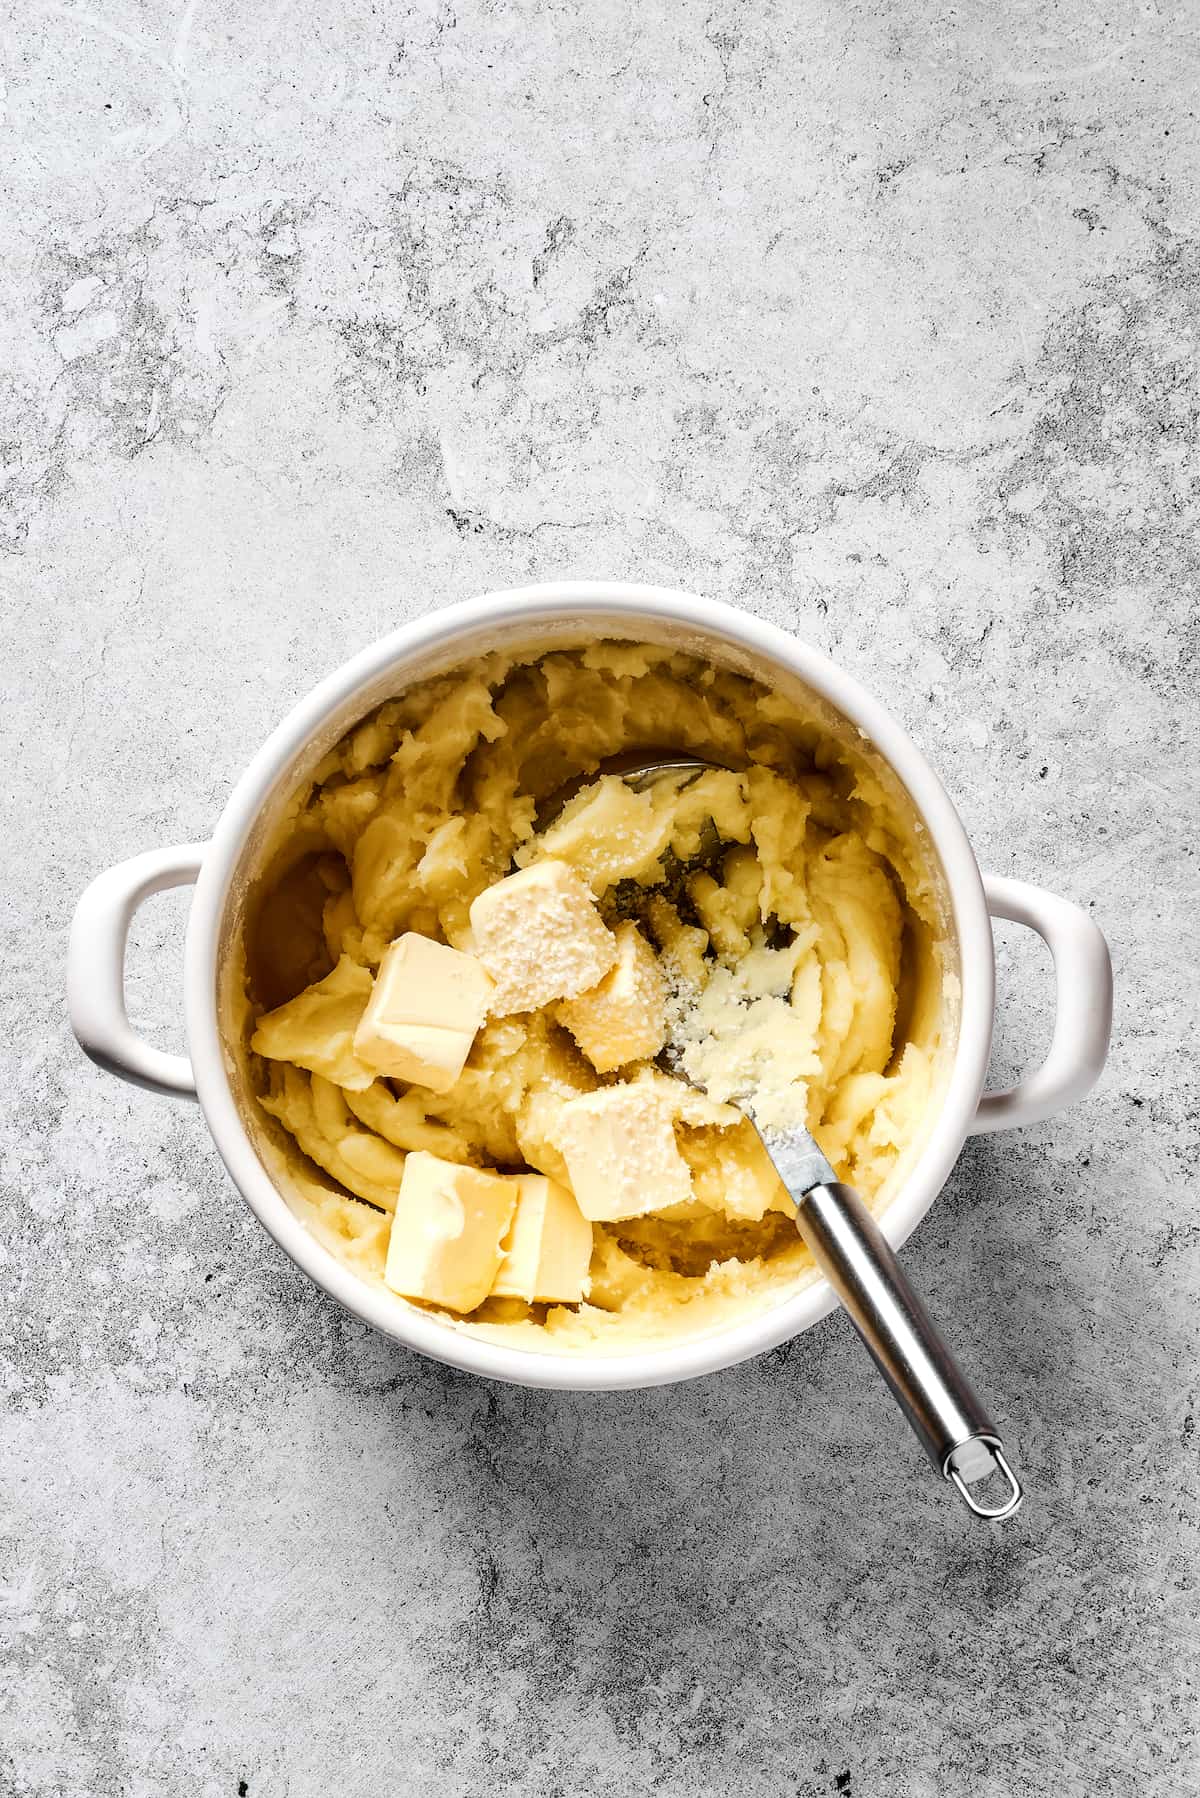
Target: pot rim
column 545, row 603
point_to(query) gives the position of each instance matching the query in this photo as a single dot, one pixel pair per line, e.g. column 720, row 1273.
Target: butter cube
column 620, row 1150
column 548, row 1246
column 423, row 1014
column 446, row 1232
column 609, row 832
column 624, row 1018
column 540, row 937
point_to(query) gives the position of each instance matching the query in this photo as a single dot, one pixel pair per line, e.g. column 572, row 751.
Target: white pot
column 563, row 612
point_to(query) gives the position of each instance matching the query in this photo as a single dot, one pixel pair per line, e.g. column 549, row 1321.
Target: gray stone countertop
column 880, row 321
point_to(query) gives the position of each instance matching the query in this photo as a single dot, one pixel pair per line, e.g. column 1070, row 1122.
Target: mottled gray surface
column 880, row 320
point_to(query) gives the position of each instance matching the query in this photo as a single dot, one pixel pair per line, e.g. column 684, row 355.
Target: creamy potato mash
column 786, row 895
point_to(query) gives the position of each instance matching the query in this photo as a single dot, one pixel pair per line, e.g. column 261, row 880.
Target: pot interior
column 928, row 986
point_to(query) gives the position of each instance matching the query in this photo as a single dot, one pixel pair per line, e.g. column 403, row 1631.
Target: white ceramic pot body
column 562, row 614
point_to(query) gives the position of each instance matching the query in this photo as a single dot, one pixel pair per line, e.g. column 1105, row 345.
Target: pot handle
column 1083, row 1013
column 96, row 968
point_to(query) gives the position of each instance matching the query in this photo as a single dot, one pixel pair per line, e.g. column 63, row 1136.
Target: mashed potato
column 784, row 892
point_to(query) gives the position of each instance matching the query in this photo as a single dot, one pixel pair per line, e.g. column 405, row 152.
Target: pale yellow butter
column 447, row 1231
column 422, row 1018
column 539, row 935
column 609, row 828
column 620, row 1150
column 622, row 1019
column 548, row 1246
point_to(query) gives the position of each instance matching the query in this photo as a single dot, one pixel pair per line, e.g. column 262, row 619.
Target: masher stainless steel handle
column 854, row 1255
column 851, row 1250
